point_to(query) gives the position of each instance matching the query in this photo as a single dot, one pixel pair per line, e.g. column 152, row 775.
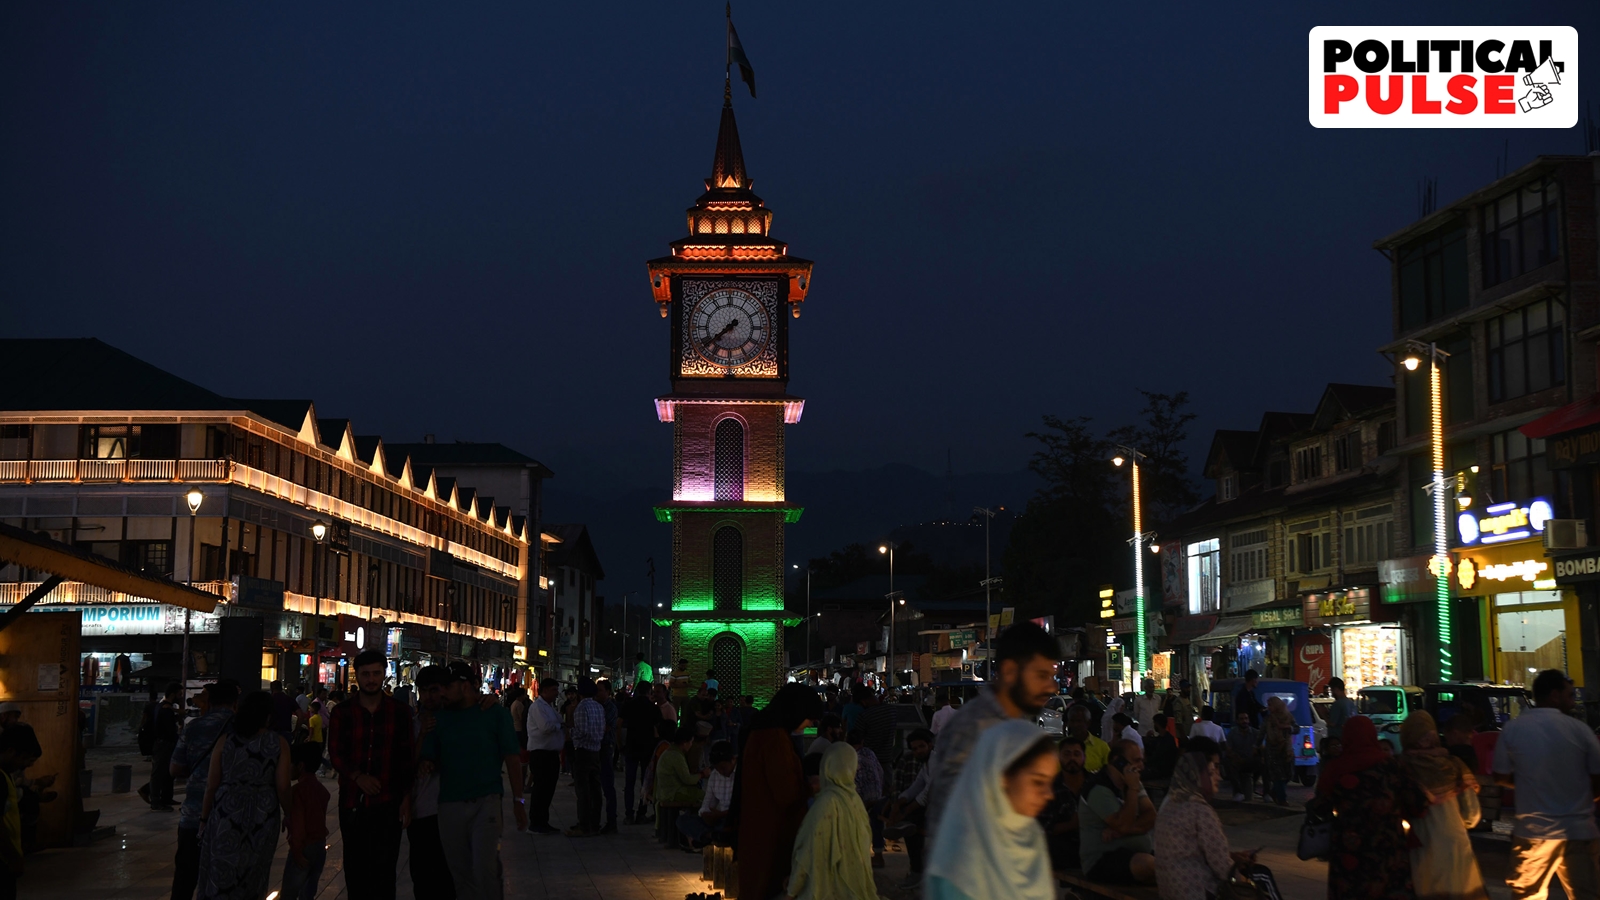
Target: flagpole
column 727, row 69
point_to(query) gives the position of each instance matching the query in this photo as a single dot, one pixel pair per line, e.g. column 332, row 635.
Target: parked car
column 1053, row 718
column 1387, row 705
column 1295, row 694
column 1490, row 705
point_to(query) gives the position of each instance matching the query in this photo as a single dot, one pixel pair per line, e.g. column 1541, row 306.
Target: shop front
column 1268, row 646
column 1527, row 617
column 1369, row 646
column 1215, row 654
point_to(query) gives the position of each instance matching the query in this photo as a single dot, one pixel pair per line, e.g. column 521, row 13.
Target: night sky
column 433, row 218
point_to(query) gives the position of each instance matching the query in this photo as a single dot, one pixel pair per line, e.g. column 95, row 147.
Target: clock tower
column 729, row 290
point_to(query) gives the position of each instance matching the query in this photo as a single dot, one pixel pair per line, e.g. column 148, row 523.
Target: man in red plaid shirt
column 373, row 748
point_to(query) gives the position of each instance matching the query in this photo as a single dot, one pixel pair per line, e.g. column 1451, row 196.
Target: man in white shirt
column 544, row 755
column 1207, row 728
column 696, row 829
column 1553, row 762
column 945, row 713
column 1125, row 730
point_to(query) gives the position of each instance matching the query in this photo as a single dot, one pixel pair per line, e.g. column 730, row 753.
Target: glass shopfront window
column 1530, row 635
column 1368, row 655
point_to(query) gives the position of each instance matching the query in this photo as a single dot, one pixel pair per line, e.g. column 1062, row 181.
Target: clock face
column 729, row 327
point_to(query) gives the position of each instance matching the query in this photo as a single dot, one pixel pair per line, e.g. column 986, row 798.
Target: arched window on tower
column 728, row 476
column 727, row 569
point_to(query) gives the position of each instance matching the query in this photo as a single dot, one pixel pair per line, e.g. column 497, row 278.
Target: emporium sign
column 116, row 619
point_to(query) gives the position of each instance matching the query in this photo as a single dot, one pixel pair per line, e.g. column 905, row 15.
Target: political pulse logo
column 1444, row 77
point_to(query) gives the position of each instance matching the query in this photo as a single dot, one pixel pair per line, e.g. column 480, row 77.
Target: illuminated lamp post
column 1437, row 487
column 194, row 497
column 1141, row 650
column 319, row 532
column 809, row 570
column 889, row 547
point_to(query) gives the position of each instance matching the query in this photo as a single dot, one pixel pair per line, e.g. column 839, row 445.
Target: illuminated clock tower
column 729, row 290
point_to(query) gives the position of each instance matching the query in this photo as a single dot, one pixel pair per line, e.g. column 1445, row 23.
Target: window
column 1520, row 231
column 1248, row 556
column 1385, row 437
column 728, row 477
column 1433, row 277
column 1310, row 548
column 1307, row 463
column 1347, row 451
column 1277, row 473
column 1205, row 575
column 1228, row 487
column 110, row 441
column 1517, row 468
column 1369, row 538
column 14, row 441
column 727, row 568
column 1526, row 351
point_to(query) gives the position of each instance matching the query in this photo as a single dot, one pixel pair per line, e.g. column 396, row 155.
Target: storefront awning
column 1578, row 414
column 1226, row 630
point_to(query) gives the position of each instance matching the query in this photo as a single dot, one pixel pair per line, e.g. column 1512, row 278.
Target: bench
column 1076, row 881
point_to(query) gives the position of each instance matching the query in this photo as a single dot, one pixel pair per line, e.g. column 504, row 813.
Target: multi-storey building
column 576, row 610
column 1278, row 571
column 330, row 541
column 1506, row 280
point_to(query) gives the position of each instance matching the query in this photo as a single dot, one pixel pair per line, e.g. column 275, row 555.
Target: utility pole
column 988, row 585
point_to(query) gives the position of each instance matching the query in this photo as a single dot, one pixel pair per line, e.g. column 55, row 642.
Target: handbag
column 1316, row 835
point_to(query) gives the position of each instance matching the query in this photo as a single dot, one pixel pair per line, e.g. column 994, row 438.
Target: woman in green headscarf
column 832, row 852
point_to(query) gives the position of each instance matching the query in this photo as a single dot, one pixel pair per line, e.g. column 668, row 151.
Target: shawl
column 1362, row 751
column 831, row 859
column 1186, row 777
column 984, row 847
column 1279, row 724
column 1433, row 767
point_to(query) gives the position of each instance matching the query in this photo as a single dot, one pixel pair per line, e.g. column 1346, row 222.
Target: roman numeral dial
column 729, row 327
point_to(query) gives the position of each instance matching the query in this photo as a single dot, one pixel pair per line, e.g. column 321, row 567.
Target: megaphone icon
column 1547, row 73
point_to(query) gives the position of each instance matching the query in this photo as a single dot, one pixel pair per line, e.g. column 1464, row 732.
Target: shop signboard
column 257, row 593
column 1409, row 580
column 964, row 637
column 1313, row 660
column 1246, row 594
column 1577, row 568
column 1187, row 628
column 1173, row 580
column 1124, row 625
column 1337, row 607
column 1502, row 522
column 1578, row 448
column 114, row 619
column 1278, row 617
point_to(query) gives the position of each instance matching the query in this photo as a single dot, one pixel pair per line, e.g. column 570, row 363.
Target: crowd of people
column 808, row 789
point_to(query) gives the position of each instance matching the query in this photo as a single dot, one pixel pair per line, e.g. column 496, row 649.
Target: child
column 307, row 826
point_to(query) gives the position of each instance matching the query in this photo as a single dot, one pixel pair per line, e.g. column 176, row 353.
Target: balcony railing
column 76, row 592
column 12, row 470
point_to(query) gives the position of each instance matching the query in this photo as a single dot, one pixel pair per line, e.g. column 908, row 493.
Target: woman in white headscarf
column 989, row 844
column 832, row 852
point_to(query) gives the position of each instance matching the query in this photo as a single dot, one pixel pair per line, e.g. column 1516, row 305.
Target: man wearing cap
column 469, row 744
column 588, row 732
column 430, row 871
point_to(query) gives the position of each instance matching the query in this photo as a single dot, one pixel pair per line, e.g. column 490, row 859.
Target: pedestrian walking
column 1340, row 711
column 769, row 791
column 1245, row 699
column 869, row 786
column 191, row 761
column 1371, row 797
column 608, row 754
column 247, row 791
column 544, row 755
column 1443, row 864
column 430, row 870
column 639, row 717
column 469, row 744
column 1196, row 863
column 641, row 672
column 990, row 845
column 285, row 709
column 830, row 850
column 307, row 827
column 372, row 745
column 1553, row 762
column 1278, row 730
column 517, row 703
column 1024, row 681
column 1243, row 754
column 588, row 732
column 168, row 716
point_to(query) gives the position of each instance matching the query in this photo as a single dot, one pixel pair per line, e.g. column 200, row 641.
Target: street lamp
column 194, row 497
column 809, row 570
column 889, row 548
column 319, row 532
column 1441, row 534
column 988, row 582
column 1141, row 648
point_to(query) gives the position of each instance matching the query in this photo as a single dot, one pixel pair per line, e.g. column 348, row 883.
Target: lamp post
column 319, row 531
column 809, row 570
column 1141, row 648
column 194, row 497
column 889, row 548
column 988, row 583
column 1437, row 487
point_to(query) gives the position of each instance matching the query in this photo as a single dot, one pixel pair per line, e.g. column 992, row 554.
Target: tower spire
column 727, row 167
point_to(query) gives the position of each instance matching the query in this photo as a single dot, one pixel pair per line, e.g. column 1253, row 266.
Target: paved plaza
column 136, row 863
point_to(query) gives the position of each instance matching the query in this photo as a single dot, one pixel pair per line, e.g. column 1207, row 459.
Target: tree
column 1168, row 489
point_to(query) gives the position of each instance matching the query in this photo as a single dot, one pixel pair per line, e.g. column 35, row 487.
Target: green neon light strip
column 791, row 514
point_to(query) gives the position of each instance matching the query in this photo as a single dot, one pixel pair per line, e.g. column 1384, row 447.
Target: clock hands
column 712, row 341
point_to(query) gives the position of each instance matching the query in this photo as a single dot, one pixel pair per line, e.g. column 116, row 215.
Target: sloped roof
column 1346, row 401
column 1236, row 449
column 87, row 373
column 575, row 550
column 464, row 453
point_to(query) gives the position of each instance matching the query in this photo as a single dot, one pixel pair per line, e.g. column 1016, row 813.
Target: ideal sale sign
column 1493, row 76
